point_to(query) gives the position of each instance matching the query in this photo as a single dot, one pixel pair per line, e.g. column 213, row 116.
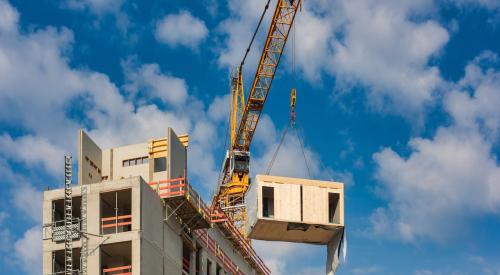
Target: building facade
column 134, row 212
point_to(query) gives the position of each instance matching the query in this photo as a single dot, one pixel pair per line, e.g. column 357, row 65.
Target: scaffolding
column 68, row 217
column 194, row 214
column 84, row 239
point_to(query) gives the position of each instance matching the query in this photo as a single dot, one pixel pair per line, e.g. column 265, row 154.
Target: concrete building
column 134, row 212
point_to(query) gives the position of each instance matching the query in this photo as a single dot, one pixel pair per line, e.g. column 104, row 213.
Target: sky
column 398, row 99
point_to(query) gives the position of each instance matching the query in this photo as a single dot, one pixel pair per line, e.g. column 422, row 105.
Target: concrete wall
column 172, row 244
column 129, row 152
column 94, row 225
column 151, row 231
column 88, row 153
column 176, row 156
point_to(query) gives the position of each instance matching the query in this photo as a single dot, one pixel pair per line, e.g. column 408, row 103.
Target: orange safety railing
column 239, row 240
column 116, row 221
column 185, row 264
column 212, row 246
column 119, row 270
column 170, row 188
column 179, row 187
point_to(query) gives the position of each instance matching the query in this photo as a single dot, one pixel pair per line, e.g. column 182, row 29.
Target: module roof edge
column 301, row 181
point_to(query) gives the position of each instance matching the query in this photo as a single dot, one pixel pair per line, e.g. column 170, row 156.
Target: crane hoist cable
column 293, row 125
column 254, row 34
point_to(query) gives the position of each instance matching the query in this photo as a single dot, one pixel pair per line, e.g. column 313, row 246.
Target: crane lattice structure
column 68, row 217
column 234, row 181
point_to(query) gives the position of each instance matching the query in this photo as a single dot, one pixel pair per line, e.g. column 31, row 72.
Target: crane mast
column 244, row 117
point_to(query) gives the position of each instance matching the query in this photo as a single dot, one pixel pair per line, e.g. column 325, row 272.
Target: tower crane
column 244, row 116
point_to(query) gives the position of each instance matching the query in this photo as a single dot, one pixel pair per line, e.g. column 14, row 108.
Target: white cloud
column 383, row 50
column 237, row 30
column 181, row 29
column 28, row 250
column 488, row 4
column 29, row 200
column 149, row 80
column 8, row 18
column 481, row 107
column 279, row 255
column 378, row 45
column 32, row 150
column 101, row 8
column 290, row 160
column 430, row 190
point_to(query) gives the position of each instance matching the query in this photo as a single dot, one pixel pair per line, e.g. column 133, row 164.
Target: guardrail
column 116, row 221
column 179, row 187
column 119, row 270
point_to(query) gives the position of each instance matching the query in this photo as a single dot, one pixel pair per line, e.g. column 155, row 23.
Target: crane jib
column 281, row 24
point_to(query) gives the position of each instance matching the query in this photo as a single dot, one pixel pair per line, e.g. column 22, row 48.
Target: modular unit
column 294, row 210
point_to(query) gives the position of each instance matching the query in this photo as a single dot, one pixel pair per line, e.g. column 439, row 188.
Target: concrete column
column 192, row 262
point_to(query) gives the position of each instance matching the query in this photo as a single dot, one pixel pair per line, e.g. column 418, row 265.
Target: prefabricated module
column 135, row 212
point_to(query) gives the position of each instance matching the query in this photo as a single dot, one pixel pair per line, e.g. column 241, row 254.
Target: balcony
column 116, row 258
column 116, row 213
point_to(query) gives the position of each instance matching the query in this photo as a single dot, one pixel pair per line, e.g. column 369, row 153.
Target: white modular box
column 294, row 210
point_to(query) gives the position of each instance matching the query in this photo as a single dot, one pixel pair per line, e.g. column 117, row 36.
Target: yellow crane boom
column 244, row 117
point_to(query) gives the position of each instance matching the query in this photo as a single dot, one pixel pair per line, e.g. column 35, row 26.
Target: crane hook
column 293, row 99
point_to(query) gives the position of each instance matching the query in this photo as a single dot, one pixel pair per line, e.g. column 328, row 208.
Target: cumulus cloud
column 101, row 8
column 28, row 250
column 389, row 54
column 279, row 255
column 8, row 17
column 377, row 45
column 237, row 30
column 488, row 4
column 147, row 81
column 48, row 100
column 294, row 158
column 181, row 29
column 429, row 191
column 31, row 151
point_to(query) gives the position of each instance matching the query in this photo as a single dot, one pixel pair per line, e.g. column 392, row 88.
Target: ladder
column 68, row 217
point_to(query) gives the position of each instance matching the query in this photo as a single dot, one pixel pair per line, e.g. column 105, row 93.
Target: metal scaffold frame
column 68, row 216
column 84, row 238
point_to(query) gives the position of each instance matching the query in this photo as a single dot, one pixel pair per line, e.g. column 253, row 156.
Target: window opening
column 333, row 202
column 268, row 202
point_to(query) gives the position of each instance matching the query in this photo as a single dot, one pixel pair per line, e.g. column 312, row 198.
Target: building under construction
column 135, row 212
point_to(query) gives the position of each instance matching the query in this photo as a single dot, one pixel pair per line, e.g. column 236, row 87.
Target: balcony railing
column 116, row 222
column 119, row 270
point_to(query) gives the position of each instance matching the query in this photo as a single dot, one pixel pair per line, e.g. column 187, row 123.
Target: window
column 333, row 202
column 218, row 270
column 135, row 161
column 268, row 202
column 160, row 164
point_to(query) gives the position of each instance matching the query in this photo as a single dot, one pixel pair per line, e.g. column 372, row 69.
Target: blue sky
column 399, row 99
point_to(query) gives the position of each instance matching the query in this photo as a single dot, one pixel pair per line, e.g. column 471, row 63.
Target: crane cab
column 239, row 162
